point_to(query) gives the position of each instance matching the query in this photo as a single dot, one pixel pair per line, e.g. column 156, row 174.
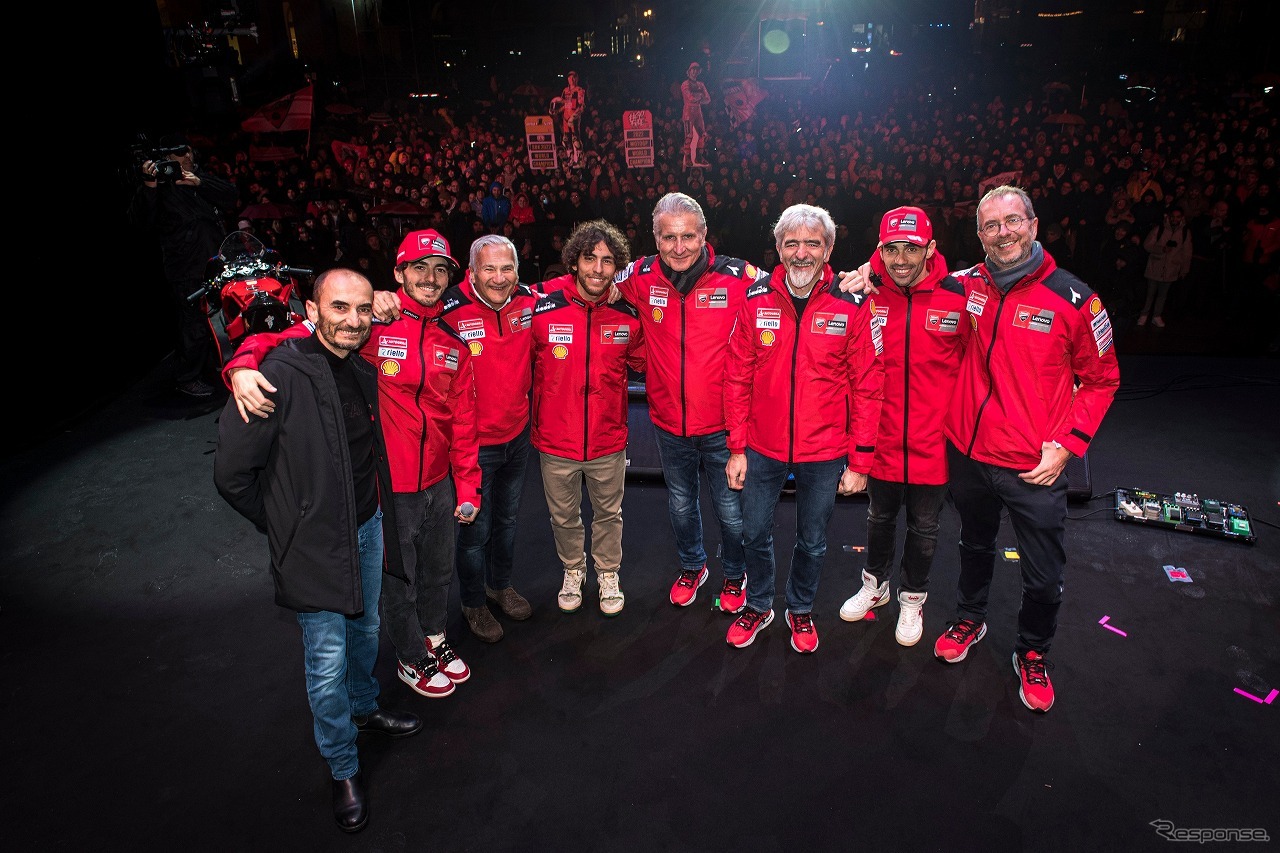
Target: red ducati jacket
column 924, row 331
column 804, row 389
column 1027, row 349
column 581, row 352
column 687, row 338
column 501, row 347
column 426, row 392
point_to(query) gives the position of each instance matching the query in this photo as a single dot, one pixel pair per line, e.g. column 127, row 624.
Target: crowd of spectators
column 1103, row 172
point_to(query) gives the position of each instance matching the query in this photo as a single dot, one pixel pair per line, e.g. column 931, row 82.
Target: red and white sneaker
column 685, row 589
column 804, row 635
column 742, row 632
column 954, row 644
column 425, row 678
column 448, row 661
column 1035, row 689
column 733, row 595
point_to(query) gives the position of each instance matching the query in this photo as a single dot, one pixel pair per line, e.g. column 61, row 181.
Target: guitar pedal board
column 1185, row 512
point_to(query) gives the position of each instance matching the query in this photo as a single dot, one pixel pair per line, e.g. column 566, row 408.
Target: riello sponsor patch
column 560, row 333
column 1035, row 319
column 393, row 347
column 769, row 318
column 469, row 330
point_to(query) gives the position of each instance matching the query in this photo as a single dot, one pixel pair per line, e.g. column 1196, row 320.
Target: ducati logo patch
column 943, row 322
column 1035, row 319
column 446, row 357
column 827, row 323
column 711, row 297
column 615, row 334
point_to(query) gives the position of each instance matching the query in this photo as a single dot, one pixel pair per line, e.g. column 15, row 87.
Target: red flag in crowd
column 292, row 112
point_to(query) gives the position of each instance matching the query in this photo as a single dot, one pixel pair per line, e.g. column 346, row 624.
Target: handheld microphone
column 468, row 509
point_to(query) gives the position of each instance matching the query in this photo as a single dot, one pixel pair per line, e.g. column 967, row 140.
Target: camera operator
column 185, row 206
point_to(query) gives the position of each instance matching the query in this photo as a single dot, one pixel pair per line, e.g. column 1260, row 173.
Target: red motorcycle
column 248, row 290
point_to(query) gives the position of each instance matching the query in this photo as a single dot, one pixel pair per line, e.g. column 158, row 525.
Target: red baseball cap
column 429, row 243
column 906, row 224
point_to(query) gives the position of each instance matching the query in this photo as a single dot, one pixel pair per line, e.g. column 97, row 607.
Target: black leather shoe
column 392, row 723
column 350, row 803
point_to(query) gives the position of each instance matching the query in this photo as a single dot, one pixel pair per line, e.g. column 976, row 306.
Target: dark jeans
column 194, row 350
column 816, row 484
column 486, row 546
column 682, row 460
column 924, row 505
column 1039, row 518
column 427, row 532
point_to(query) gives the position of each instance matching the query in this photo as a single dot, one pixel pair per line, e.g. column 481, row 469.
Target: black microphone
column 468, row 509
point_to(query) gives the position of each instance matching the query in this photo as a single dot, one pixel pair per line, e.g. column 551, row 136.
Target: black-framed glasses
column 1013, row 223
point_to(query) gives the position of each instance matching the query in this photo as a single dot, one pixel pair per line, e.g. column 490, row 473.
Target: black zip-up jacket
column 290, row 474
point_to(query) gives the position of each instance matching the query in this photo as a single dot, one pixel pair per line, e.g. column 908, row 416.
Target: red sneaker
column 425, row 678
column 804, row 636
column 742, row 632
column 733, row 596
column 447, row 659
column 685, row 589
column 954, row 644
column 1035, row 690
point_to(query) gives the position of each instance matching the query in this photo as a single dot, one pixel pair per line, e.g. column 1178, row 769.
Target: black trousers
column 924, row 505
column 1039, row 517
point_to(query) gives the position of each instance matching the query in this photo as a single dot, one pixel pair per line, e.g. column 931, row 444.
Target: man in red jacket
column 688, row 298
column 802, row 396
column 1038, row 374
column 920, row 312
column 1037, row 377
column 426, row 389
column 493, row 313
column 582, row 348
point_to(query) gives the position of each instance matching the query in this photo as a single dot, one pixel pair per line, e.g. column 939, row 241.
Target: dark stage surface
column 154, row 694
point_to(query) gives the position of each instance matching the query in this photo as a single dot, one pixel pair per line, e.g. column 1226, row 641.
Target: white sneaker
column 570, row 597
column 910, row 617
column 871, row 595
column 611, row 597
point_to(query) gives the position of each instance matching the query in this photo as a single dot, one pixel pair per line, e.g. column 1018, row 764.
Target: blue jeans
column 339, row 653
column 924, row 507
column 682, row 458
column 1038, row 515
column 487, row 546
column 427, row 536
column 816, row 484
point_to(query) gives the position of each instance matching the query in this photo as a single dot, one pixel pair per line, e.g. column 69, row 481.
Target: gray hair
column 805, row 216
column 1003, row 190
column 678, row 203
column 488, row 240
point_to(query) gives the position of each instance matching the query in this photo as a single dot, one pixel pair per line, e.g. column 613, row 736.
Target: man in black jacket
column 310, row 478
column 187, row 207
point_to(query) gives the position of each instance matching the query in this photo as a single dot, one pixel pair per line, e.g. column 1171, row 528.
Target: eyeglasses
column 1013, row 223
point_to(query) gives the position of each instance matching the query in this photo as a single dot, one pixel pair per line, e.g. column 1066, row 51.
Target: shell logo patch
column 560, row 351
column 752, row 272
column 767, row 338
column 476, row 347
column 389, row 368
column 1095, row 306
column 656, row 313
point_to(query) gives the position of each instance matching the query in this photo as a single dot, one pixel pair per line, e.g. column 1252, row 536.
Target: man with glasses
column 920, row 312
column 1038, row 374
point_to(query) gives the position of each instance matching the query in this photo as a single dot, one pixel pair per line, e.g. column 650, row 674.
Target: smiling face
column 1005, row 246
column 594, row 271
column 494, row 275
column 424, row 280
column 342, row 311
column 803, row 252
column 680, row 240
column 905, row 261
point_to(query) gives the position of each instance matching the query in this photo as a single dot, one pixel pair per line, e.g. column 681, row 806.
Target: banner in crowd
column 345, row 151
column 1011, row 178
column 637, row 138
column 741, row 97
column 540, row 139
column 292, row 112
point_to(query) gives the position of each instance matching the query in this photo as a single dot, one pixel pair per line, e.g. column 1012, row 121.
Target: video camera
column 166, row 169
